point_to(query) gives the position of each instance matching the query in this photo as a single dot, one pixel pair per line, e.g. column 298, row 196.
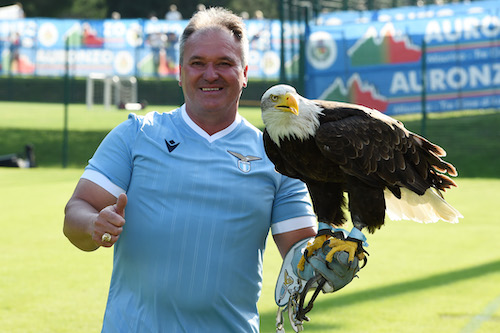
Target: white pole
column 89, row 95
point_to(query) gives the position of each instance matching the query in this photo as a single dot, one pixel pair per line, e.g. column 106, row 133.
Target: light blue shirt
column 198, row 214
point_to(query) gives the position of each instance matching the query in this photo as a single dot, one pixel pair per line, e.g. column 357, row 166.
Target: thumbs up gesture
column 109, row 223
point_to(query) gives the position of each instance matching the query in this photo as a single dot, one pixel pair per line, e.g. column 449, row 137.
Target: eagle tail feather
column 444, row 182
column 427, row 208
column 427, row 145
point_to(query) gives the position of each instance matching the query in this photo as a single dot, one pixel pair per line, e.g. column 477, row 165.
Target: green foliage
column 269, row 8
column 144, row 8
column 44, row 8
column 99, row 9
column 140, row 9
column 91, row 9
column 132, row 8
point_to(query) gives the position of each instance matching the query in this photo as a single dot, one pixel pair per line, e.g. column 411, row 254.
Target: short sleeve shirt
column 199, row 210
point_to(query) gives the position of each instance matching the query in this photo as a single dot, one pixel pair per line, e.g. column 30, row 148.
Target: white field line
column 476, row 322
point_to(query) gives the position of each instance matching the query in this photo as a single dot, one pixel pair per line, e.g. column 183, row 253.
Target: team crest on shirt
column 244, row 161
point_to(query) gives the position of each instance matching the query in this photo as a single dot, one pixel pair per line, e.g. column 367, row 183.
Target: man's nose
column 211, row 73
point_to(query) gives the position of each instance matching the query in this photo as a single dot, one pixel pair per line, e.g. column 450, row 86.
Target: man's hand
column 110, row 220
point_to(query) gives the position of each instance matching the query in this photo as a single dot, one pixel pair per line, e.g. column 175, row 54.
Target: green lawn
column 472, row 139
column 41, row 124
column 419, row 278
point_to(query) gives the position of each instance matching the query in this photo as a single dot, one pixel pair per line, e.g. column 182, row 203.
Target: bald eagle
column 338, row 147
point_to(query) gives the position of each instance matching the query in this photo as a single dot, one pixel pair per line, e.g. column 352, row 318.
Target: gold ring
column 106, row 237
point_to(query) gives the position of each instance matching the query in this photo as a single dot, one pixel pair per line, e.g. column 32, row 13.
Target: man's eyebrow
column 228, row 59
column 197, row 57
column 194, row 58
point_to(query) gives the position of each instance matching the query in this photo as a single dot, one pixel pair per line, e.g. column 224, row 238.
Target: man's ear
column 180, row 80
column 245, row 75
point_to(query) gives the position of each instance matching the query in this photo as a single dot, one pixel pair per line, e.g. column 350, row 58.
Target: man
column 187, row 199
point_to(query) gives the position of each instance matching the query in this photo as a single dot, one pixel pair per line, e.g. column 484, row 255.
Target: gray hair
column 216, row 18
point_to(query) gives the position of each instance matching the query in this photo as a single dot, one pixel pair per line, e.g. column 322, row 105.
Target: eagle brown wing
column 379, row 150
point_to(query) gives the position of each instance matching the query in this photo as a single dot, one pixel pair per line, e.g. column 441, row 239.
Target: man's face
column 211, row 74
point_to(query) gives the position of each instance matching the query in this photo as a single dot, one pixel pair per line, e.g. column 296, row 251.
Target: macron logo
column 171, row 145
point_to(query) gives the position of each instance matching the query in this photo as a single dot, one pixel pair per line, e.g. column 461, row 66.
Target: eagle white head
column 286, row 114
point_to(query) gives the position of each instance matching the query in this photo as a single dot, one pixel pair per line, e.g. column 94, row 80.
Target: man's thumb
column 120, row 204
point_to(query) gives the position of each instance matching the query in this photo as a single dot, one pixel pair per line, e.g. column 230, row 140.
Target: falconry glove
column 318, row 273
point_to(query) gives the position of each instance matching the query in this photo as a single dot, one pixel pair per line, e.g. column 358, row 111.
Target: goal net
column 116, row 90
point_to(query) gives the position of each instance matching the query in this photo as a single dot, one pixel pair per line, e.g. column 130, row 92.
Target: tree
column 268, row 7
column 62, row 8
column 143, row 8
column 138, row 9
column 41, row 8
column 99, row 9
column 88, row 9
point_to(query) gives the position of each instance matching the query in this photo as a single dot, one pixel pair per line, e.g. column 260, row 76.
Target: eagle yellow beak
column 288, row 103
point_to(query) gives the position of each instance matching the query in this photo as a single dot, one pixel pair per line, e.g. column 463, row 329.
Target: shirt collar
column 205, row 135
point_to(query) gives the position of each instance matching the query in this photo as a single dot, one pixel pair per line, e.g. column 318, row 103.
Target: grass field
column 469, row 137
column 419, row 278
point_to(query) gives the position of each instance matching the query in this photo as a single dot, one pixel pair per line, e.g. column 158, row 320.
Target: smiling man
column 187, row 198
column 212, row 75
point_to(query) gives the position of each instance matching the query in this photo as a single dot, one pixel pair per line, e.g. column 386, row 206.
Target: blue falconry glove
column 316, row 273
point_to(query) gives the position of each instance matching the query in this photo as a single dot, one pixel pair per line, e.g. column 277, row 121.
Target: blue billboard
column 143, row 48
column 374, row 58
column 378, row 60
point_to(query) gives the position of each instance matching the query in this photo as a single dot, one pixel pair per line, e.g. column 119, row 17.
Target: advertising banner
column 383, row 64
column 374, row 58
column 129, row 47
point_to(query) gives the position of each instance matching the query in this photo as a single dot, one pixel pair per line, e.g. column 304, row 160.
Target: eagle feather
column 339, row 147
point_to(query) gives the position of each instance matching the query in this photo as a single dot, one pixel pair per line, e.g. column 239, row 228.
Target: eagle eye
column 274, row 98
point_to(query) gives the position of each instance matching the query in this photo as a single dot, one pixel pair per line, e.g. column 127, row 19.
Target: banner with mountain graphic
column 380, row 63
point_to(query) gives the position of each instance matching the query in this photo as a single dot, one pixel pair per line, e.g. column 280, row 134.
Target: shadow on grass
column 433, row 281
column 49, row 145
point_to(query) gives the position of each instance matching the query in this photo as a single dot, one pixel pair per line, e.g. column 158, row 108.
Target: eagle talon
column 338, row 245
column 310, row 248
column 365, row 260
